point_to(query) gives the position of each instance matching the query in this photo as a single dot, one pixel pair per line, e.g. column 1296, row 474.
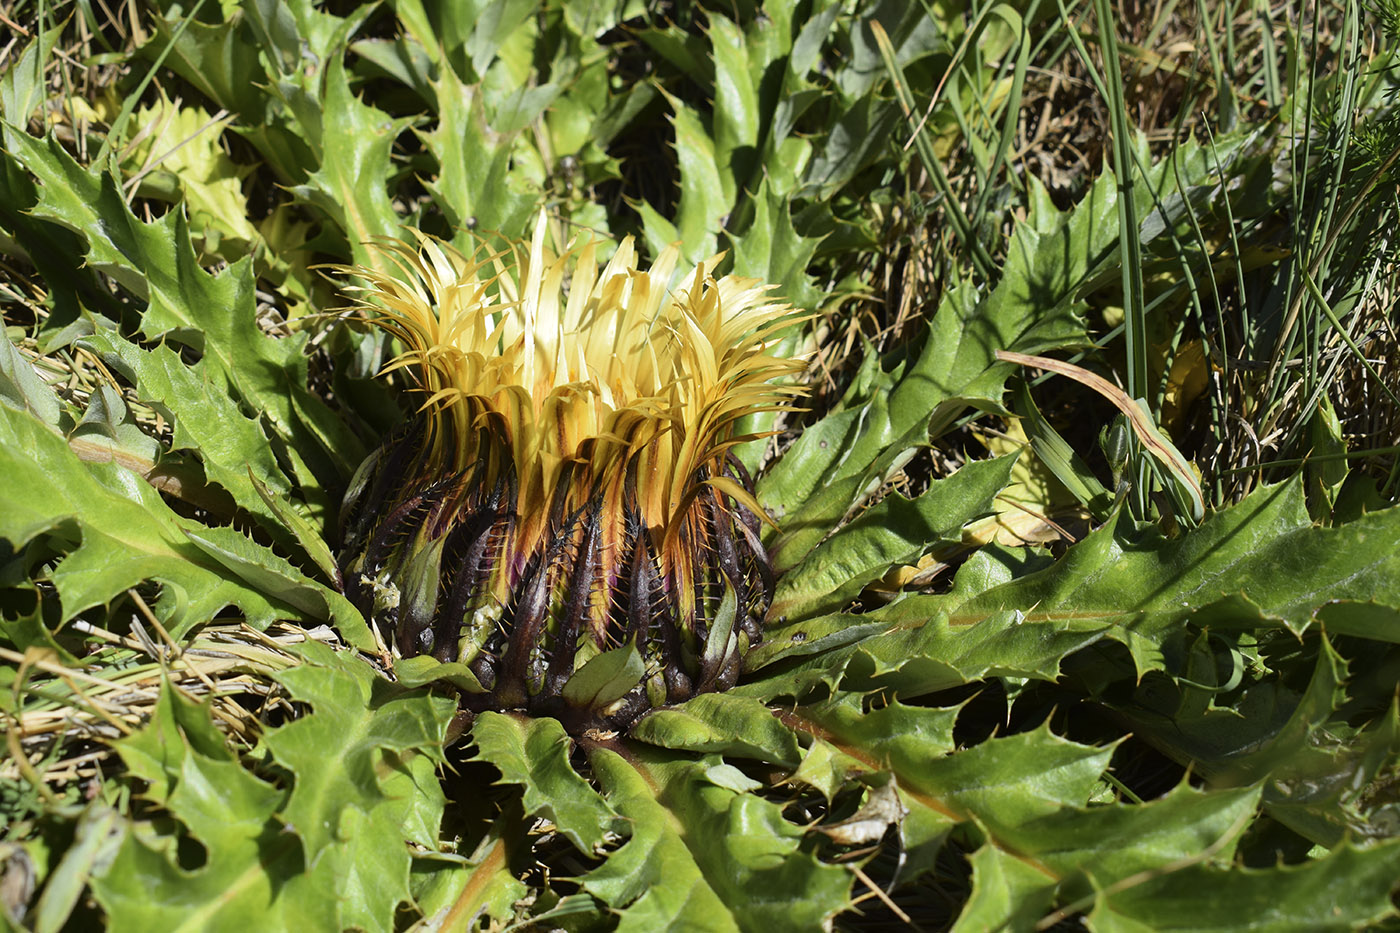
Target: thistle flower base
column 589, row 625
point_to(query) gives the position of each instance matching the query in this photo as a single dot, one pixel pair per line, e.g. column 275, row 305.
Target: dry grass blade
column 65, row 715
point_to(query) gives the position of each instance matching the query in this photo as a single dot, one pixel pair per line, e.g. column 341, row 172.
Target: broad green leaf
column 328, row 851
column 702, row 205
column 735, row 129
column 746, row 852
column 1006, row 890
column 1318, row 773
column 252, row 871
column 206, row 421
column 1033, row 307
column 107, row 428
column 895, row 531
column 653, row 880
column 22, row 389
column 1259, row 563
column 222, row 61
column 476, row 186
column 1094, row 847
column 605, row 678
column 717, row 722
column 424, row 669
column 820, row 453
column 351, row 185
column 365, row 765
column 359, row 722
column 450, row 892
column 534, row 753
column 276, row 577
column 1346, row 889
column 124, row 532
column 773, row 251
column 840, row 494
column 177, row 153
column 97, row 836
column 211, row 314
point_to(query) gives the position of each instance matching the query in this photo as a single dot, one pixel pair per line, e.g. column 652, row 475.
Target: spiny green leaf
column 1317, row 772
column 1347, row 889
column 107, row 426
column 772, row 250
column 746, row 852
column 311, row 540
column 350, row 186
column 360, row 729
column 76, row 295
column 1033, row 307
column 328, row 851
column 534, row 753
column 22, row 389
column 222, row 61
column 176, row 153
column 736, row 116
column 1030, row 794
column 1264, row 552
column 605, row 678
column 1005, row 782
column 888, row 738
column 911, row 648
column 702, row 205
column 276, row 577
column 1106, row 844
column 128, row 534
column 450, row 890
column 1007, row 892
column 653, row 880
column 718, row 722
column 827, row 769
column 476, row 186
column 97, row 836
column 252, row 872
column 207, row 422
column 895, row 531
column 365, row 764
column 1259, row 563
column 212, row 314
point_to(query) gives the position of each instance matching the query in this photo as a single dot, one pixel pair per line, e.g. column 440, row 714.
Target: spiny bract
column 568, row 489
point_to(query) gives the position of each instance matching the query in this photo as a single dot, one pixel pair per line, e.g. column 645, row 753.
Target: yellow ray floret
column 577, row 373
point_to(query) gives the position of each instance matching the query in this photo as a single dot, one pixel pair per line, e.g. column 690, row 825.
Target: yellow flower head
column 568, row 485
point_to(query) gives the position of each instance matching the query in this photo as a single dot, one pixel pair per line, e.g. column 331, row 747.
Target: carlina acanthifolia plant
column 565, row 514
